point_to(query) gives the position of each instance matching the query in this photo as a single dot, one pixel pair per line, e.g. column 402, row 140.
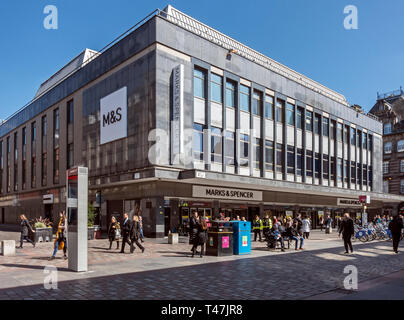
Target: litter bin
column 220, row 239
column 241, row 237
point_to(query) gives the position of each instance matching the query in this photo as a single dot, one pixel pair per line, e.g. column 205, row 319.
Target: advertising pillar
column 77, row 220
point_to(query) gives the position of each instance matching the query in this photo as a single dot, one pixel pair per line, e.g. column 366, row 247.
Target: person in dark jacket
column 193, row 227
column 25, row 227
column 135, row 235
column 292, row 231
column 395, row 226
column 201, row 236
column 347, row 230
column 125, row 229
column 114, row 231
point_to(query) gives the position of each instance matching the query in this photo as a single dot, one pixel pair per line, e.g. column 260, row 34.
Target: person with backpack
column 395, row 226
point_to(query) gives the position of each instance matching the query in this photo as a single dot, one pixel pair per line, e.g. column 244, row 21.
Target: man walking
column 347, row 230
column 395, row 227
column 126, row 226
column 257, row 227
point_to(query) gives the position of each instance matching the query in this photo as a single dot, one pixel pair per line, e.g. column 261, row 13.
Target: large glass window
column 216, row 145
column 340, row 169
column 269, row 107
column 401, row 166
column 269, row 155
column 244, row 98
column 346, row 134
column 353, row 136
column 325, row 167
column 44, row 126
column 197, row 140
column 280, row 106
column 216, row 83
column 230, row 94
column 400, row 146
column 332, row 130
column 358, row 173
column 333, row 168
column 244, row 145
column 386, row 186
column 16, row 161
column 317, row 124
column 300, row 118
column 346, row 171
column 339, row 132
column 279, row 158
column 309, row 163
column 299, row 162
column 364, row 141
column 199, row 83
column 317, row 165
column 229, row 146
column 370, row 142
column 290, row 159
column 388, row 147
column 386, row 167
column 353, row 172
column 326, row 124
column 365, row 174
column 401, row 186
column 290, row 114
column 309, row 121
column 257, row 103
column 44, row 168
column 257, row 153
column 387, row 129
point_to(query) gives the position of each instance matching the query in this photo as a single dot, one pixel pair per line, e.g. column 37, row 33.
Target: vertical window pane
column 309, row 121
column 216, row 88
column 291, row 159
column 230, row 94
column 280, row 106
column 244, row 98
column 326, row 123
column 199, row 83
column 290, row 114
column 269, row 155
column 257, row 103
column 269, row 107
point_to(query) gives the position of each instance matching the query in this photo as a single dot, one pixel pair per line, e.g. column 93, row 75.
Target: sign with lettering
column 245, row 241
column 177, row 123
column 113, row 116
column 348, row 202
column 226, row 193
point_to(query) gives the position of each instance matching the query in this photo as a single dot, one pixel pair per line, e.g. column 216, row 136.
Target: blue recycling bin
column 241, row 237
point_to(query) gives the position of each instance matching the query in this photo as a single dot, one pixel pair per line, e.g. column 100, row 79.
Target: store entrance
column 187, row 212
column 49, row 212
column 167, row 221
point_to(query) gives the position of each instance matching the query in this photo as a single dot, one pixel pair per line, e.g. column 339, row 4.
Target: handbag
column 117, row 233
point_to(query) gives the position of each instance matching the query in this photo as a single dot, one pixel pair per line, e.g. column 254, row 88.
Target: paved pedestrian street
column 165, row 271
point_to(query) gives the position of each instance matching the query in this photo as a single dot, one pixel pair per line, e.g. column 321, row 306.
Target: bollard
column 173, row 238
column 8, row 248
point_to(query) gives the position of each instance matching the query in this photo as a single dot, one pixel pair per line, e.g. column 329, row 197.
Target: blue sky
column 306, row 35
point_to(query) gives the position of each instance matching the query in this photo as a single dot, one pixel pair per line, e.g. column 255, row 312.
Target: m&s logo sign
column 113, row 116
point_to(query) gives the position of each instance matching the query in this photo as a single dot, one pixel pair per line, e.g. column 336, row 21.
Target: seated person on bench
column 293, row 234
column 276, row 233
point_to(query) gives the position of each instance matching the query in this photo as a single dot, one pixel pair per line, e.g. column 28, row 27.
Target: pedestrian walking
column 321, row 222
column 135, row 235
column 25, row 228
column 328, row 224
column 306, row 225
column 201, row 237
column 114, row 233
column 125, row 229
column 395, row 226
column 61, row 235
column 257, row 227
column 141, row 227
column 347, row 230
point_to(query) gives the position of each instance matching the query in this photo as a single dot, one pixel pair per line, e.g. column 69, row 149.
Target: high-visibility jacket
column 257, row 224
column 267, row 223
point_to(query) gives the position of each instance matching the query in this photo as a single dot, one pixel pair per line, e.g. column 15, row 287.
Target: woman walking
column 135, row 235
column 141, row 227
column 25, row 225
column 60, row 242
column 114, row 233
column 193, row 228
column 201, row 237
column 306, row 227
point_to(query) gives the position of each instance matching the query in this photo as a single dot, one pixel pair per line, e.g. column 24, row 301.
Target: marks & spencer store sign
column 226, row 193
column 113, row 116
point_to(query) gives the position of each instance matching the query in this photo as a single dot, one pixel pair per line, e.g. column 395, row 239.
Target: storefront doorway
column 167, row 221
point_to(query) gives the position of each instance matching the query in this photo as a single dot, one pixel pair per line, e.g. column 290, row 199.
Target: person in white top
column 306, row 227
